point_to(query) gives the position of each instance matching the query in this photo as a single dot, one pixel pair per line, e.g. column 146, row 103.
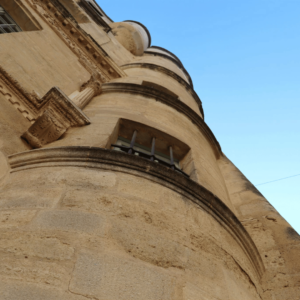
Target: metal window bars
column 151, row 156
column 7, row 24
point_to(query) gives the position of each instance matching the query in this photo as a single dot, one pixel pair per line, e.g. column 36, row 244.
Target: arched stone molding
column 167, row 99
column 171, row 74
column 159, row 51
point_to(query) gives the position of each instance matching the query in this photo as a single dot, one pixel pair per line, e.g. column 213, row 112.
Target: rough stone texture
column 70, row 221
column 20, row 291
column 278, row 243
column 4, row 167
column 106, row 227
column 13, row 218
column 117, row 277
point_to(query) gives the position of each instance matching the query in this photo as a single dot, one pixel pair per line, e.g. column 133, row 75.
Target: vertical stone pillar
column 87, row 92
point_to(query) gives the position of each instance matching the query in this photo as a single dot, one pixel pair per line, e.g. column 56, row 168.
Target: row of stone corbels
column 61, row 112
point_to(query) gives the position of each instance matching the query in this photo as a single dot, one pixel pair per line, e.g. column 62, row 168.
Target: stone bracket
column 58, row 115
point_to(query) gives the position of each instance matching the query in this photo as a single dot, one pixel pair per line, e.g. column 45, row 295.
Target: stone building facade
column 112, row 186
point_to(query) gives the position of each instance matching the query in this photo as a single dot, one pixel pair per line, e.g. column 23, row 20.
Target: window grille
column 7, row 24
column 131, row 147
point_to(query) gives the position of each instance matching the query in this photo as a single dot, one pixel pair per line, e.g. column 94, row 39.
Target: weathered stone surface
column 14, row 218
column 30, row 245
column 34, row 271
column 193, row 292
column 117, row 277
column 279, row 249
column 70, row 221
column 242, row 290
column 30, row 197
column 20, row 291
column 4, row 167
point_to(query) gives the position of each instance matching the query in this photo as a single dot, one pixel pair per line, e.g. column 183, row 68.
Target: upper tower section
column 134, row 36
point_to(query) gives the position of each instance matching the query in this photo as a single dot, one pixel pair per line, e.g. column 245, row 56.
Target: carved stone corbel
column 60, row 113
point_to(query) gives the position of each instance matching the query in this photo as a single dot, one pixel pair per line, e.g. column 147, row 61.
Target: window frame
column 5, row 17
column 152, row 155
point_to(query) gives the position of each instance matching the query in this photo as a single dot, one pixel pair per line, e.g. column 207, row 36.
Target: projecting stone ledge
column 60, row 114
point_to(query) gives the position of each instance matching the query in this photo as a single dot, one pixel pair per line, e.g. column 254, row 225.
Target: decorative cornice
column 89, row 52
column 170, row 74
column 30, row 100
column 31, row 105
column 91, row 157
column 95, row 83
column 177, row 62
column 168, row 100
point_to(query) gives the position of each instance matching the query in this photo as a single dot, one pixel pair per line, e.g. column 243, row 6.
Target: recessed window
column 91, row 8
column 7, row 24
column 147, row 142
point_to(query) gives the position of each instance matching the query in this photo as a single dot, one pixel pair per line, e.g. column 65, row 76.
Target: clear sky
column 243, row 57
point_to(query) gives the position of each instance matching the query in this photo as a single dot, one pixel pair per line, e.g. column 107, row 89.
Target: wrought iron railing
column 152, row 156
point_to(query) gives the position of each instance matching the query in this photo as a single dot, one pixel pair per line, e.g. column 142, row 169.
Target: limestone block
column 72, row 176
column 168, row 249
column 130, row 209
column 150, row 245
column 70, row 221
column 88, row 177
column 257, row 208
column 143, row 188
column 98, row 201
column 14, row 218
column 113, row 277
column 23, row 291
column 193, row 292
column 27, row 270
column 30, row 197
column 30, row 245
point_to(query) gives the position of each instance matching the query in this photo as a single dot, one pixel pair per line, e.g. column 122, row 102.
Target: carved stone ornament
column 90, row 54
column 93, row 83
column 60, row 113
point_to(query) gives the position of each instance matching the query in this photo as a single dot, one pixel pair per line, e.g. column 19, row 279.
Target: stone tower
column 112, row 186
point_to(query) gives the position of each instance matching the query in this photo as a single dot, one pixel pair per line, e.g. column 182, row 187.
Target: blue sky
column 243, row 57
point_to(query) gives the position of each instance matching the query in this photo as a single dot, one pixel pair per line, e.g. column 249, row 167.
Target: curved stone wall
column 137, row 73
column 115, row 102
column 75, row 226
column 163, row 62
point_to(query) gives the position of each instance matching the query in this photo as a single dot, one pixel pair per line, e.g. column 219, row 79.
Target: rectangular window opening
column 152, row 144
column 7, row 24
